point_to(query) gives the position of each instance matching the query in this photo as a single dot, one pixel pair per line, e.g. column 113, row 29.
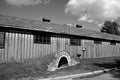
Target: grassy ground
column 26, row 68
column 38, row 67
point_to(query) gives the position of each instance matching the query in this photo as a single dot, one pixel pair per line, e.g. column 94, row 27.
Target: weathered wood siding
column 19, row 46
column 100, row 50
column 60, row 44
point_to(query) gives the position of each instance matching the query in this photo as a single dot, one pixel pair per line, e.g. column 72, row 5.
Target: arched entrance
column 63, row 62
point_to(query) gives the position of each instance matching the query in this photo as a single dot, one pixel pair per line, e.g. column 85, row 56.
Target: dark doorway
column 63, row 62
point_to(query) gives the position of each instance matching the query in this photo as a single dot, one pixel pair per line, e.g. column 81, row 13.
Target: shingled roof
column 21, row 23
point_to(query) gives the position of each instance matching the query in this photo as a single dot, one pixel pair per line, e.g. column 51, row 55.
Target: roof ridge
column 23, row 23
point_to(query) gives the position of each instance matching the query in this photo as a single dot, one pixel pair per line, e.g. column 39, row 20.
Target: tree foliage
column 110, row 27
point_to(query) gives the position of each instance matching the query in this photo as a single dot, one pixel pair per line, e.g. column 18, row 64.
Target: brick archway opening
column 63, row 62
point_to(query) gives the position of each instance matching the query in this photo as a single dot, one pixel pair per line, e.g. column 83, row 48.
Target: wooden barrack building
column 22, row 39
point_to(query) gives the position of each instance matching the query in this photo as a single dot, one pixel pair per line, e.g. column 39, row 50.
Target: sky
column 89, row 13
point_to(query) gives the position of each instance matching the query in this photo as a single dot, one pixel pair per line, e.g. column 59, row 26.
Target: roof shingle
column 15, row 22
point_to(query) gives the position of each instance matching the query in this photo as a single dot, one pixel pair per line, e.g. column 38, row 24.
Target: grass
column 26, row 68
column 38, row 67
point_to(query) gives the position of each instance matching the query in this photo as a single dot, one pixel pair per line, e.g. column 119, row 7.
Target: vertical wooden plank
column 96, row 50
column 88, row 45
column 26, row 55
column 23, row 47
column 34, row 50
column 12, row 45
column 89, row 48
column 31, row 45
column 51, row 51
column 109, row 49
column 28, row 46
column 100, row 51
column 9, row 55
column 93, row 49
column 117, row 49
column 19, row 46
column 68, row 45
column 37, row 50
column 15, row 46
column 6, row 46
column 3, row 52
column 0, row 54
column 26, row 42
column 54, row 45
column 45, row 49
column 103, row 49
column 42, row 50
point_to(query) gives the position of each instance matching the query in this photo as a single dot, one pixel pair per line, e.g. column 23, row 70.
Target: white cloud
column 83, row 18
column 90, row 21
column 97, row 10
column 26, row 2
column 100, row 25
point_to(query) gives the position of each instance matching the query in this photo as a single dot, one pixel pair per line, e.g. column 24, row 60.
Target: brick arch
column 56, row 64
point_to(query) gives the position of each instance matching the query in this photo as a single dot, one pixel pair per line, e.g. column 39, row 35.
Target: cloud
column 100, row 25
column 83, row 18
column 26, row 2
column 97, row 10
column 90, row 21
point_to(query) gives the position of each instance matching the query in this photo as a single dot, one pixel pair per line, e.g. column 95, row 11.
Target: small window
column 75, row 42
column 112, row 43
column 97, row 42
column 2, row 39
column 42, row 39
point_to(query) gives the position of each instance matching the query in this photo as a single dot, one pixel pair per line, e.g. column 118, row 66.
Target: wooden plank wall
column 60, row 44
column 19, row 46
column 100, row 50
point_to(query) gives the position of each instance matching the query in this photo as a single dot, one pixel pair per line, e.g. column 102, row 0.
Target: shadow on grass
column 115, row 64
column 23, row 69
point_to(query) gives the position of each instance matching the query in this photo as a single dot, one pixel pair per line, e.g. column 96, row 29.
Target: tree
column 110, row 27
